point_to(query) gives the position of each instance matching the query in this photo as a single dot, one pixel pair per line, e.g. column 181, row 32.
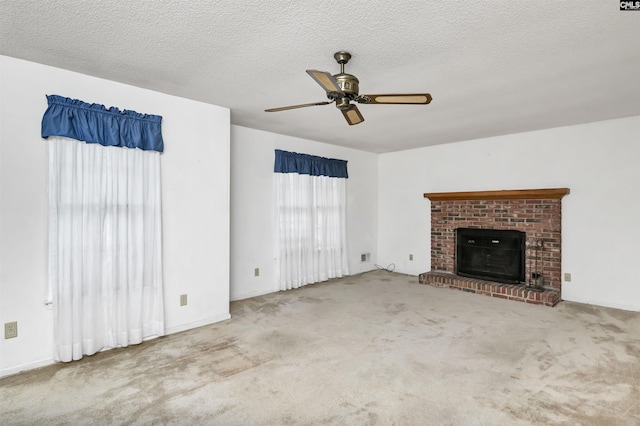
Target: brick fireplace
column 535, row 212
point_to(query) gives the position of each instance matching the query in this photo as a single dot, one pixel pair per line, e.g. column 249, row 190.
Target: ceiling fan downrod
column 348, row 83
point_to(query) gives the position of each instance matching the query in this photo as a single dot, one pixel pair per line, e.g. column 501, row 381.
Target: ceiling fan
column 343, row 88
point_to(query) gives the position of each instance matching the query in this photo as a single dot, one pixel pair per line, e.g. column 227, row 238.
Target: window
column 311, row 234
column 105, row 242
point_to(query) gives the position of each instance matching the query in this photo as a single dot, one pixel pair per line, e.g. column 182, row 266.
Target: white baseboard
column 24, row 367
column 176, row 329
column 622, row 306
column 196, row 324
column 235, row 298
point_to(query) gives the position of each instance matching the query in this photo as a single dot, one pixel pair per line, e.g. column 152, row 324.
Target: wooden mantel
column 517, row 194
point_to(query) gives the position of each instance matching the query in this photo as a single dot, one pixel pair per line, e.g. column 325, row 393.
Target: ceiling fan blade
column 410, row 98
column 326, row 80
column 296, row 106
column 353, row 115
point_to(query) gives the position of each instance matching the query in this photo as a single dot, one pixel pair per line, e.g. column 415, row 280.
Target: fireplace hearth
column 532, row 221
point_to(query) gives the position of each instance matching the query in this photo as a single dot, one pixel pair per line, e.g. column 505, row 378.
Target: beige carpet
column 377, row 349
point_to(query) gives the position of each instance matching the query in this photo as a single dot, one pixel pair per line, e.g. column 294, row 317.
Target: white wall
column 195, row 178
column 599, row 162
column 252, row 206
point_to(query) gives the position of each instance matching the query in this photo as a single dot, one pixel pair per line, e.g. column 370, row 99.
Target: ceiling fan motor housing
column 349, row 84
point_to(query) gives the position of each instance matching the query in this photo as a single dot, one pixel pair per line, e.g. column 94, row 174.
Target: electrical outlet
column 11, row 330
column 410, row 257
column 365, row 257
column 256, row 272
column 183, row 300
column 567, row 277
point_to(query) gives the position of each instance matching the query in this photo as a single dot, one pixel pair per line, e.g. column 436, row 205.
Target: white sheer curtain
column 311, row 228
column 105, row 246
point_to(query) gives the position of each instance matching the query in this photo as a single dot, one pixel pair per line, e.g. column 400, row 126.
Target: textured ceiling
column 492, row 67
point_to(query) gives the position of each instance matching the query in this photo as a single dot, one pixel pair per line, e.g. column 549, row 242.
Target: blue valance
column 93, row 123
column 304, row 164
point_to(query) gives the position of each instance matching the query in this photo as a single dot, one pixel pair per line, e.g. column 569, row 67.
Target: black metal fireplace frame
column 491, row 254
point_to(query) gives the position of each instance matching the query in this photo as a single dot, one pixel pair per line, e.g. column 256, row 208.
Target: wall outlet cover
column 11, row 330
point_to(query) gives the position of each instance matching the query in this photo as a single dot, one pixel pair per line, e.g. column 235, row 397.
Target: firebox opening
column 491, row 254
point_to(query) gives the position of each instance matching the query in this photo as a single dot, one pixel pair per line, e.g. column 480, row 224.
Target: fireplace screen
column 491, row 254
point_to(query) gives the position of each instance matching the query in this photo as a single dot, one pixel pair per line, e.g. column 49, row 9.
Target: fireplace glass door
column 491, row 254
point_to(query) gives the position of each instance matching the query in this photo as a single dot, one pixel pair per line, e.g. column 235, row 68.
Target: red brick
column 542, row 219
